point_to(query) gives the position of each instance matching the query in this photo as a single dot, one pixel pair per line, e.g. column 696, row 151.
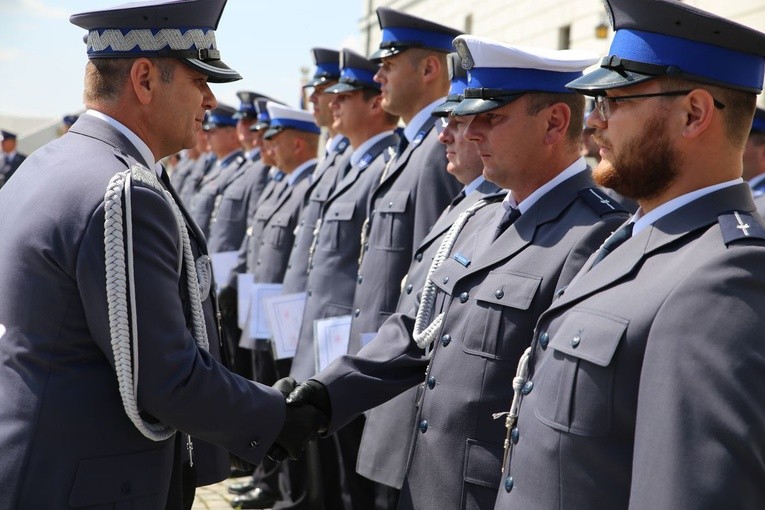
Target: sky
column 42, row 55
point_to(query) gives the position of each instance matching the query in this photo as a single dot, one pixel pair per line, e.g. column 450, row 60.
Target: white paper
column 285, row 315
column 222, row 264
column 330, row 339
column 258, row 324
column 243, row 296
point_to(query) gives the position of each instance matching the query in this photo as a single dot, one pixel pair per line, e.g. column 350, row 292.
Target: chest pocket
column 279, row 230
column 321, row 193
column 391, row 229
column 232, row 204
column 335, row 219
column 495, row 323
column 575, row 381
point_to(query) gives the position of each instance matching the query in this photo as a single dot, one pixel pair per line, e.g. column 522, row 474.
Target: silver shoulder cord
column 120, row 289
column 425, row 333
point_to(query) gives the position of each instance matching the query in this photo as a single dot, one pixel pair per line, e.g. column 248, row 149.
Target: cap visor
column 271, row 132
column 474, row 106
column 382, row 53
column 604, row 79
column 444, row 109
column 258, row 126
column 342, row 87
column 317, row 81
column 216, row 70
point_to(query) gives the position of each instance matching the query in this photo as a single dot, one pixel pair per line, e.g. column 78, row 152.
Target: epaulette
column 738, row 225
column 342, row 145
column 140, row 173
column 600, row 202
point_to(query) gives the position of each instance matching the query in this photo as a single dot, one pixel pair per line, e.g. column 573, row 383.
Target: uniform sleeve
column 390, row 364
column 178, row 383
column 699, row 439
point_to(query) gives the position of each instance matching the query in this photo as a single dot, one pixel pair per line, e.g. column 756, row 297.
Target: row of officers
column 522, row 336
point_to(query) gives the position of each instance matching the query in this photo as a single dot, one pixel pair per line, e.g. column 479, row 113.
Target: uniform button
column 311, row 266
column 509, row 483
column 409, row 288
column 424, row 426
column 446, row 280
column 575, row 341
column 432, row 382
column 499, row 294
column 366, row 246
column 253, row 444
column 390, row 204
column 527, row 387
column 125, row 488
column 359, row 278
column 289, row 266
column 356, row 312
column 373, row 212
column 515, row 435
column 310, row 292
column 418, row 257
column 445, row 340
column 464, row 297
column 544, row 339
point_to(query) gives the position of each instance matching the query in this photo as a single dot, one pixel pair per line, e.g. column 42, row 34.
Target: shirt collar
column 333, row 143
column 364, row 147
column 139, row 144
column 473, row 185
column 580, row 165
column 291, row 178
column 643, row 221
column 415, row 125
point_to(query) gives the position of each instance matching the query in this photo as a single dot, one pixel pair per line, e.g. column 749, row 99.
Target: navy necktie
column 456, row 200
column 613, row 242
column 403, row 143
column 508, row 219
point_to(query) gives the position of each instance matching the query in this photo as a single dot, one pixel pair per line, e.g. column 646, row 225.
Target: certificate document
column 330, row 339
column 285, row 314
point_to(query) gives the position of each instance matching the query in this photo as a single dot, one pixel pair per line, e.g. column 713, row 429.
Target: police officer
column 334, row 251
column 188, row 184
column 754, row 154
column 389, row 428
column 224, row 143
column 11, row 158
column 494, row 274
column 644, row 387
column 294, row 137
column 106, row 304
column 330, row 169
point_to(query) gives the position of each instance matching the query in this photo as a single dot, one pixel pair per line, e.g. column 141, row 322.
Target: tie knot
column 613, row 242
column 508, row 219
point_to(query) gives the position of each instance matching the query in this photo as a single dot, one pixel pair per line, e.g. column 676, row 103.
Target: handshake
column 308, row 414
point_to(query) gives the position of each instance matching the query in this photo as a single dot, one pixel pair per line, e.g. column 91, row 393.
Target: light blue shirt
column 580, row 165
column 291, row 178
column 415, row 125
column 364, row 147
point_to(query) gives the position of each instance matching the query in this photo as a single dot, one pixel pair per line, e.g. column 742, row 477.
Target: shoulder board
column 738, row 225
column 344, row 143
column 140, row 173
column 600, row 202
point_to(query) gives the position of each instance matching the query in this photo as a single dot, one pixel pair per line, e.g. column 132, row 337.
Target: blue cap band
column 327, row 69
column 220, row 120
column 295, row 124
column 517, row 79
column 458, row 86
column 412, row 35
column 691, row 57
column 361, row 76
column 758, row 124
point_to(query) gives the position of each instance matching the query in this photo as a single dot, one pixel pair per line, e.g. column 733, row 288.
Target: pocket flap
column 340, row 211
column 589, row 335
column 280, row 220
column 234, row 192
column 483, row 463
column 321, row 193
column 109, row 479
column 394, row 202
column 264, row 212
column 513, row 289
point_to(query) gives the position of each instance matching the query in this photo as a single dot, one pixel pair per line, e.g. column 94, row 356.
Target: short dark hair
column 105, row 77
column 538, row 101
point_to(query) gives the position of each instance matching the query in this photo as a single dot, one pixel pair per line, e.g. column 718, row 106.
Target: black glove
column 227, row 303
column 308, row 412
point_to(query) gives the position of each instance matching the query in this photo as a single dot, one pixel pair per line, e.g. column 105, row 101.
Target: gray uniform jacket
column 201, row 166
column 389, row 428
column 212, row 185
column 181, row 172
column 274, row 230
column 332, row 278
column 647, row 378
column 759, row 201
column 62, row 420
column 491, row 295
column 234, row 204
column 325, row 177
column 8, row 168
column 402, row 208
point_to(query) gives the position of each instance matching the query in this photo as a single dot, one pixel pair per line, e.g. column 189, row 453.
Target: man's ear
column 558, row 120
column 143, row 75
column 699, row 106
